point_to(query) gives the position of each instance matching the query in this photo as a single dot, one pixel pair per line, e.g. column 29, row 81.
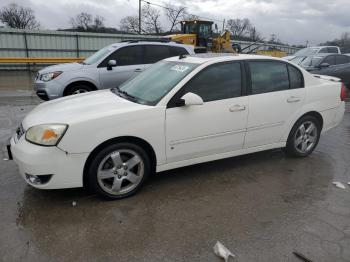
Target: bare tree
column 191, row 17
column 239, row 27
column 20, row 17
column 254, row 35
column 174, row 14
column 98, row 22
column 86, row 22
column 130, row 24
column 81, row 21
column 151, row 19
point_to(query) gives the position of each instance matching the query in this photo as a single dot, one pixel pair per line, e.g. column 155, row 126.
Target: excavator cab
column 202, row 29
column 199, row 34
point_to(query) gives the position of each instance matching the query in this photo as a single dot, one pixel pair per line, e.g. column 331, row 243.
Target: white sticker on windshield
column 179, row 68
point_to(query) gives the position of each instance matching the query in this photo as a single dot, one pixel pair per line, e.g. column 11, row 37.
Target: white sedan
column 181, row 111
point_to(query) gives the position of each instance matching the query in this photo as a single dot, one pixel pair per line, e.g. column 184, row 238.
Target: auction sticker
column 179, row 68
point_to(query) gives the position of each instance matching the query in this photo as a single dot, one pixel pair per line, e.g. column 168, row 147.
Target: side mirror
column 324, row 65
column 110, row 64
column 190, row 99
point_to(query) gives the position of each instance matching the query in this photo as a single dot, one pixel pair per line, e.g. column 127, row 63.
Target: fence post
column 77, row 44
column 26, row 47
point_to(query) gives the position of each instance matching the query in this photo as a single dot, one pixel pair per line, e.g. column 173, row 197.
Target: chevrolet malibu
column 179, row 112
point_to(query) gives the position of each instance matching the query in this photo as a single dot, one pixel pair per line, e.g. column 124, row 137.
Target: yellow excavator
column 199, row 34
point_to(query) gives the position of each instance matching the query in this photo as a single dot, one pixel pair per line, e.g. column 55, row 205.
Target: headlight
column 49, row 76
column 46, row 135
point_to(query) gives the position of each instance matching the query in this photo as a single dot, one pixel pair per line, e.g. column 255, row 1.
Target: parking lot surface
column 261, row 206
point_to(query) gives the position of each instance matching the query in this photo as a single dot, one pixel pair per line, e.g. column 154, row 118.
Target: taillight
column 343, row 94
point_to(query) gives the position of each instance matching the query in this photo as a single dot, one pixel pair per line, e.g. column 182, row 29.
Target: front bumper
column 48, row 90
column 65, row 170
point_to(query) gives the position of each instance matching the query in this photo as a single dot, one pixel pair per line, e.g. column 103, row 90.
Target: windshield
column 152, row 85
column 307, row 51
column 98, row 55
column 312, row 61
column 297, row 60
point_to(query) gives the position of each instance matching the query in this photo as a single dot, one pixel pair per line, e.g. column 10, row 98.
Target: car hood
column 62, row 67
column 79, row 108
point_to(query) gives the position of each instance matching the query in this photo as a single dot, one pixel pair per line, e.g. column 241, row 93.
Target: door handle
column 293, row 99
column 237, row 108
column 138, row 70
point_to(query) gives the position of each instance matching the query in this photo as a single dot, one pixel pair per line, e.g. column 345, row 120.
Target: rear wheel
column 304, row 136
column 78, row 89
column 118, row 170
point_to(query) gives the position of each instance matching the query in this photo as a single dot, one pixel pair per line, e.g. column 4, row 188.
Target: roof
column 150, row 42
column 218, row 57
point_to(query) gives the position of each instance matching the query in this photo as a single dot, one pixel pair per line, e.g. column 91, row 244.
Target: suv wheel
column 78, row 89
column 118, row 170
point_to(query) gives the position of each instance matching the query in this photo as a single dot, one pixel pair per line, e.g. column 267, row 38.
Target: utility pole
column 140, row 17
column 223, row 25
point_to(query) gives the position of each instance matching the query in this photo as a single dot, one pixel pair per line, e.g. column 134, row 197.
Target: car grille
column 20, row 131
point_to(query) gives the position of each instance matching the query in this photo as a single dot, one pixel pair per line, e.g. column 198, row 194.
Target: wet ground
column 261, row 206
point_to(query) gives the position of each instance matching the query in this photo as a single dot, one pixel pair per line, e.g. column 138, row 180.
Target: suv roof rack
column 162, row 40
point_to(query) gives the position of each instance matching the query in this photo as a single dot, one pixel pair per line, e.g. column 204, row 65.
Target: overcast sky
column 293, row 21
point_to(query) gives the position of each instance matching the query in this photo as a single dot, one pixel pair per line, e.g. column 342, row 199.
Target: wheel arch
column 79, row 82
column 315, row 114
column 130, row 139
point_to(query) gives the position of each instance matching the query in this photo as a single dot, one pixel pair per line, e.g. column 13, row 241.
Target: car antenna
column 182, row 56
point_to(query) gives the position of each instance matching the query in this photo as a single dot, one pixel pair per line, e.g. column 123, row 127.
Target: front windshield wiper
column 124, row 94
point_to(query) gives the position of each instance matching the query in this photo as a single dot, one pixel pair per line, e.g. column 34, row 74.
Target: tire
column 304, row 136
column 112, row 175
column 78, row 89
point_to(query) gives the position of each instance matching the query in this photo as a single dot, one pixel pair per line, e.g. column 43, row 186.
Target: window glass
column 268, row 77
column 307, row 51
column 329, row 60
column 295, row 77
column 96, row 57
column 176, row 51
column 332, row 50
column 341, row 59
column 311, row 61
column 323, row 50
column 150, row 86
column 130, row 55
column 219, row 81
column 155, row 53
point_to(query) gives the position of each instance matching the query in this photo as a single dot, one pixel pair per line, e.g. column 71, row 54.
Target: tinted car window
column 155, row 53
column 175, row 51
column 219, row 81
column 129, row 55
column 341, row 59
column 323, row 50
column 295, row 77
column 268, row 77
column 332, row 50
column 329, row 60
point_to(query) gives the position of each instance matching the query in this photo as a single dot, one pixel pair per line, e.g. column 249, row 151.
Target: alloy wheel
column 120, row 172
column 305, row 137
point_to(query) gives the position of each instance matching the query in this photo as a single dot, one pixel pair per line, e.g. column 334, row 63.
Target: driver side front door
column 129, row 63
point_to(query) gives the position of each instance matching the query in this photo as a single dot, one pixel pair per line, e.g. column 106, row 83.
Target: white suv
column 107, row 68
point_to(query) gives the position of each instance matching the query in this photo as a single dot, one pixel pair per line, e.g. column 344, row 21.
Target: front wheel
column 118, row 170
column 78, row 89
column 304, row 136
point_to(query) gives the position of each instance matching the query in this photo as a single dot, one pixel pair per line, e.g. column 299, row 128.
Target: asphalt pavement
column 261, row 206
